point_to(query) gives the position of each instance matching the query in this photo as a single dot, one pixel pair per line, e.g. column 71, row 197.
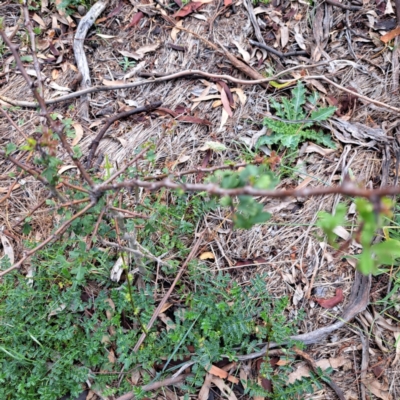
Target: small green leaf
column 10, row 148
column 322, row 114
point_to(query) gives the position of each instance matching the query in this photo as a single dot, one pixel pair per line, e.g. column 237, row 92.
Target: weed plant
column 289, row 134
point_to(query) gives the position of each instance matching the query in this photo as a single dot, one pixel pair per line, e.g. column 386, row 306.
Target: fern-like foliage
column 291, row 135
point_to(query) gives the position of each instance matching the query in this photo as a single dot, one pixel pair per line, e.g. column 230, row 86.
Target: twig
column 17, row 128
column 357, row 303
column 165, row 298
column 96, row 228
column 277, row 52
column 84, row 25
column 57, row 127
column 96, row 141
column 200, row 170
column 314, row 367
column 146, row 254
column 28, row 25
column 347, row 189
column 131, row 213
column 229, row 78
column 154, row 386
column 31, row 171
column 163, row 78
column 51, row 238
column 344, row 6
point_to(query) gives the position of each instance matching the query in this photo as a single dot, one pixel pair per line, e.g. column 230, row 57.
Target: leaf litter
column 360, row 130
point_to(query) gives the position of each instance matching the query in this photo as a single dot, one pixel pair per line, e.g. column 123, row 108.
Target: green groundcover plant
column 56, row 333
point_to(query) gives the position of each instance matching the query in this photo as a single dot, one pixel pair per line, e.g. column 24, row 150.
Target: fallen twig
column 344, row 6
column 84, row 25
column 357, row 303
column 191, row 73
column 277, row 52
column 154, row 386
column 96, row 141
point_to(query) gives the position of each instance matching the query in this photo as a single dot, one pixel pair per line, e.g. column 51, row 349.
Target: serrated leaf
column 290, row 141
column 298, row 99
column 313, row 98
column 323, row 114
column 326, row 140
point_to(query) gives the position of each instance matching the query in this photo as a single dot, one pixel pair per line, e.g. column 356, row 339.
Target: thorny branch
column 56, row 127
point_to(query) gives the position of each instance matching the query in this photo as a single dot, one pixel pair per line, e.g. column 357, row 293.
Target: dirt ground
column 344, row 45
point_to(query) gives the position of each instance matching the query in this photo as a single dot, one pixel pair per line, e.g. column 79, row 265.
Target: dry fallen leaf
column 204, row 98
column 169, row 324
column 140, row 52
column 105, row 82
column 111, row 356
column 187, row 9
column 377, row 389
column 304, row 371
column 284, row 36
column 314, row 148
column 241, row 95
column 8, row 249
column 224, row 118
column 390, row 35
column 333, row 301
column 65, row 168
column 225, row 102
column 117, row 270
column 224, row 388
column 135, row 20
column 245, row 54
column 78, row 133
column 175, row 31
column 205, row 389
column 56, row 311
column 208, row 255
column 222, row 374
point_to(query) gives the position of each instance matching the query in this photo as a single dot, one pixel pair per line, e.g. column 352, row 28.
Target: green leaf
column 366, row 264
column 386, row 251
column 322, row 114
column 298, row 100
column 10, row 148
column 329, row 222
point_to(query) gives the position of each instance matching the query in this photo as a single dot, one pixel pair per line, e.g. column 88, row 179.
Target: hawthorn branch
column 347, row 189
column 28, row 25
column 36, row 174
column 57, row 127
